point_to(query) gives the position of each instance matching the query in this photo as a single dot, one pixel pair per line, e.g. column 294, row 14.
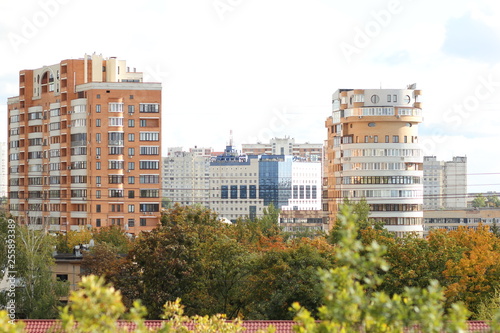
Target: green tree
column 39, row 292
column 479, row 201
column 113, row 235
column 492, row 201
column 353, row 304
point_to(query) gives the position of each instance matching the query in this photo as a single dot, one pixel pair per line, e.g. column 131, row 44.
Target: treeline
column 253, row 270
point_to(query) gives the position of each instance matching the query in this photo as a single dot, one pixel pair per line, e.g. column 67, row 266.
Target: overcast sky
column 268, row 68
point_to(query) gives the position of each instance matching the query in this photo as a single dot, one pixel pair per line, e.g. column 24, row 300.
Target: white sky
column 268, row 68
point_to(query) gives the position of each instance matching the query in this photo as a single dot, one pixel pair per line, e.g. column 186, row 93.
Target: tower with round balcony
column 373, row 152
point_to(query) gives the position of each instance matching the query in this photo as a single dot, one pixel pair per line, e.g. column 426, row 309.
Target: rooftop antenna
column 231, row 138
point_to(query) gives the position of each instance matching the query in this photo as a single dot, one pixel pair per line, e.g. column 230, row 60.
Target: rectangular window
column 308, row 191
column 98, row 222
column 234, row 191
column 224, row 193
column 388, row 98
column 395, row 138
column 131, row 194
column 98, row 123
column 395, row 98
column 98, row 179
column 253, row 192
column 115, row 164
column 131, row 179
column 375, row 138
column 98, row 165
column 98, row 137
column 98, row 108
column 115, row 150
column 149, row 179
column 150, row 193
column 98, row 194
column 386, row 139
column 366, row 138
column 149, row 207
column 301, row 192
column 150, row 150
column 149, row 108
column 115, row 193
column 115, row 179
column 131, row 208
column 115, row 121
column 131, row 137
column 149, row 165
column 295, row 191
column 98, row 208
column 243, row 191
column 142, row 222
column 131, row 123
column 314, row 189
column 131, row 151
column 131, row 109
column 131, row 222
column 149, row 136
column 406, row 139
column 115, row 107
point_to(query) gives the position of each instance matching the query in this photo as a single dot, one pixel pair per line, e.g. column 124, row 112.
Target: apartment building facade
column 3, row 168
column 285, row 146
column 84, row 146
column 373, row 152
column 445, row 183
column 186, row 176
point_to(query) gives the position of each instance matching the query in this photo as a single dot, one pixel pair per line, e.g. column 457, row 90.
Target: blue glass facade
column 275, row 179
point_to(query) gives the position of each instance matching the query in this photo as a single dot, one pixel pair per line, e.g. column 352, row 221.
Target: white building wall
column 3, row 169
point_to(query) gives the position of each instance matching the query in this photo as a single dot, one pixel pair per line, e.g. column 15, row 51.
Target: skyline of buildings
column 84, row 146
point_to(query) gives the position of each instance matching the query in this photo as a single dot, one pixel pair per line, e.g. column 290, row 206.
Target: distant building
column 445, row 183
column 243, row 185
column 186, row 176
column 84, row 146
column 285, row 146
column 452, row 219
column 3, row 169
column 373, row 152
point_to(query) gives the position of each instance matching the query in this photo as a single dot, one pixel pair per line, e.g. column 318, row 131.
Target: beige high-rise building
column 85, row 146
column 3, row 169
column 373, row 152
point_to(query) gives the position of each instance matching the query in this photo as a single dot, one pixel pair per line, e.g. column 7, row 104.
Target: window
column 115, row 150
column 98, row 165
column 243, row 191
column 314, row 192
column 131, row 209
column 115, row 193
column 131, row 123
column 98, row 96
column 253, row 192
column 131, row 137
column 308, row 191
column 98, row 208
column 234, row 192
column 149, row 136
column 98, row 194
column 395, row 98
column 150, row 150
column 131, row 222
column 98, row 137
column 395, row 138
column 388, row 98
column 375, row 99
column 131, row 194
column 366, row 138
column 115, row 121
column 131, row 151
column 115, row 107
column 98, row 123
column 224, row 193
column 149, row 108
column 150, row 193
column 295, row 191
column 131, row 165
column 131, row 179
column 131, row 109
column 62, row 277
column 149, row 179
column 115, row 179
column 375, row 138
column 149, row 165
column 405, row 139
column 98, row 179
column 98, row 108
column 301, row 191
column 142, row 222
column 115, row 164
column 149, row 207
column 386, row 139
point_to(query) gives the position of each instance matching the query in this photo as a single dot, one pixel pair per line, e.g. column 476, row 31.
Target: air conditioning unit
column 98, row 185
column 98, row 157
